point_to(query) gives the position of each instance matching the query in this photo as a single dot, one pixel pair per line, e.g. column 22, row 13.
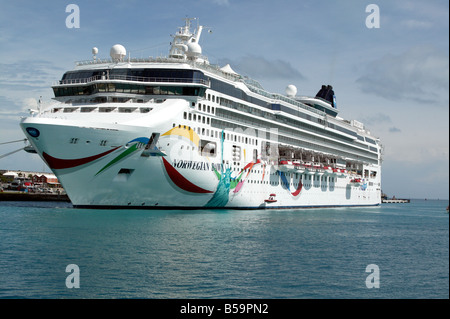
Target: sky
column 389, row 66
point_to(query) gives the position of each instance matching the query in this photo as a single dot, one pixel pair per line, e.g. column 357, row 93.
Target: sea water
column 51, row 250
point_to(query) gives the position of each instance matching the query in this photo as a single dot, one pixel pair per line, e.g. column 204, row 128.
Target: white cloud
column 420, row 74
column 411, row 180
column 27, row 75
column 10, row 107
column 416, row 24
column 415, row 147
column 377, row 118
column 394, row 130
column 29, row 103
column 221, row 2
column 435, row 11
column 260, row 68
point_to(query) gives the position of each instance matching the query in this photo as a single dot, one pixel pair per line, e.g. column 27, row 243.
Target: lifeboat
column 271, row 199
column 319, row 171
column 333, row 171
column 286, row 166
column 309, row 169
column 355, row 181
column 328, row 169
column 298, row 167
column 342, row 172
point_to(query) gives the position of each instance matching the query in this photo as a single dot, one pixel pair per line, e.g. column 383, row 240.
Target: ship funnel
column 326, row 93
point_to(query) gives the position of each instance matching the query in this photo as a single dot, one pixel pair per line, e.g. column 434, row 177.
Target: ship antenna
column 94, row 53
column 39, row 104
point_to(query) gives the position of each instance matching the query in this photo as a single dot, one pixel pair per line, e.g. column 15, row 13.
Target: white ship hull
column 176, row 176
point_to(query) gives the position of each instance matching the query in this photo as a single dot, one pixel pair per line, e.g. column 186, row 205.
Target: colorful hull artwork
column 226, row 182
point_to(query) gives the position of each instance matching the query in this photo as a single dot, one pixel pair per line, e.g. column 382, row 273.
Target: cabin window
column 236, row 151
column 87, row 109
column 106, row 109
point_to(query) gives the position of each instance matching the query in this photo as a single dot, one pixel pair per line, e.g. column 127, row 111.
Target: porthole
column 34, row 132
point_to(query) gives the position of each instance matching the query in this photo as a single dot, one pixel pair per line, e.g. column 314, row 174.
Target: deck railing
column 107, row 77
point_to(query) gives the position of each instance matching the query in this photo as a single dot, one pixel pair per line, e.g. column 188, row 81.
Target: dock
column 18, row 196
column 395, row 201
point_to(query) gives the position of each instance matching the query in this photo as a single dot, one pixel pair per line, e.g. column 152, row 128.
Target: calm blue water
column 315, row 253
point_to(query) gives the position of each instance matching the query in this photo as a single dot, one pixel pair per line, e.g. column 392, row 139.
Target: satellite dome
column 94, row 50
column 118, row 52
column 291, row 90
column 194, row 49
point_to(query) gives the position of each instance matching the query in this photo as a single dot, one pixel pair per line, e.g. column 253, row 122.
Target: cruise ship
column 177, row 132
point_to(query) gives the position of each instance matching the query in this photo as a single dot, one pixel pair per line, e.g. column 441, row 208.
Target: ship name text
column 194, row 165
